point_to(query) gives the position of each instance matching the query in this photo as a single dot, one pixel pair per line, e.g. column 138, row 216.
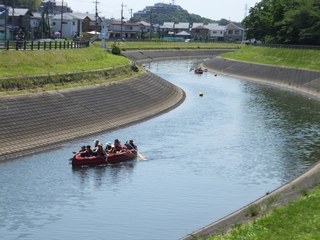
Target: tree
column 284, row 21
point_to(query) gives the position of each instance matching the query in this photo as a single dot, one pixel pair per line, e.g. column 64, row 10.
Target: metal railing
column 42, row 45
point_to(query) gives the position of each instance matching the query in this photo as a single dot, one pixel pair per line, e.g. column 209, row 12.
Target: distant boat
column 198, row 71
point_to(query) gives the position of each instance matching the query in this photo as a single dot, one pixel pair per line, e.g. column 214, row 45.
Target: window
column 214, row 32
column 237, row 32
column 53, row 23
column 230, row 31
column 73, row 23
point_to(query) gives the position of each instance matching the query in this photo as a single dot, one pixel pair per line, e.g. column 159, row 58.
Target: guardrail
column 42, row 45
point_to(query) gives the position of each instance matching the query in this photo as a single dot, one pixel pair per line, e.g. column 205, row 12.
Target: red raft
column 101, row 160
column 198, row 71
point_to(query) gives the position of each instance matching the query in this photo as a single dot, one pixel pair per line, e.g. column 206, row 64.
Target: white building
column 71, row 25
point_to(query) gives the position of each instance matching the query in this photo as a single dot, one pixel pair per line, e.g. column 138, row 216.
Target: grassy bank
column 297, row 58
column 298, row 219
column 174, row 45
column 26, row 63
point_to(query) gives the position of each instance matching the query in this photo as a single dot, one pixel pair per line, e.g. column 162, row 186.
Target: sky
column 233, row 10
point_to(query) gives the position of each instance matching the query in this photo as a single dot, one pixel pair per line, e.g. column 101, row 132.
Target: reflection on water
column 206, row 159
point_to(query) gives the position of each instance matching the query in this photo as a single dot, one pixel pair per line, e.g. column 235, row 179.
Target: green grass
column 174, row 45
column 296, row 58
column 28, row 63
column 299, row 219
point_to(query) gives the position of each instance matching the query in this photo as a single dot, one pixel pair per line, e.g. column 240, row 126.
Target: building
column 139, row 30
column 71, row 25
column 233, row 33
column 216, row 32
column 18, row 18
column 167, row 30
column 200, row 33
column 160, row 8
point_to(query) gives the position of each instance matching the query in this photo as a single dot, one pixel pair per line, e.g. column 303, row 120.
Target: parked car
column 189, row 40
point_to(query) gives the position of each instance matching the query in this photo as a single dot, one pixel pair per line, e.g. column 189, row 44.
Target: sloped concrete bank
column 301, row 80
column 145, row 56
column 40, row 120
column 32, row 122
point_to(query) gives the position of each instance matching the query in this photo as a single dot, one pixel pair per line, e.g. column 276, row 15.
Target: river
column 205, row 159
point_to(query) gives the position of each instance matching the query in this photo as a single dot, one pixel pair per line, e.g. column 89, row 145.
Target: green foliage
column 31, row 4
column 298, row 219
column 253, row 210
column 284, row 22
column 28, row 63
column 179, row 16
column 116, row 50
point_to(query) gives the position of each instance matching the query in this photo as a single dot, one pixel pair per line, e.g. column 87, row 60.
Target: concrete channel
column 30, row 122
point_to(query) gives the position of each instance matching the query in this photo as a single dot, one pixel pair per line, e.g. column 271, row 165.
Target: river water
column 207, row 158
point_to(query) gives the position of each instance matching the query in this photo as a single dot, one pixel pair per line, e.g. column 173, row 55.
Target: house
column 70, row 24
column 136, row 30
column 194, row 25
column 35, row 24
column 167, row 30
column 18, row 18
column 217, row 32
column 200, row 32
column 182, row 27
column 233, row 33
column 89, row 21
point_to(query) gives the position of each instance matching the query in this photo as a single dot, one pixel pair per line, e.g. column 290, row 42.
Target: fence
column 42, row 45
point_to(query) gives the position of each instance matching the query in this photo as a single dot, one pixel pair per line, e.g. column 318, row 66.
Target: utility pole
column 121, row 20
column 96, row 23
column 245, row 10
column 151, row 29
column 61, row 20
column 130, row 10
column 5, row 20
column 12, row 29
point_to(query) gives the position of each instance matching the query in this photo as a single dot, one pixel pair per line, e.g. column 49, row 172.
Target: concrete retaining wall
column 144, row 56
column 304, row 81
column 35, row 121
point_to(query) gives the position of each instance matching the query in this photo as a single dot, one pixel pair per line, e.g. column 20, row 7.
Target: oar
column 139, row 154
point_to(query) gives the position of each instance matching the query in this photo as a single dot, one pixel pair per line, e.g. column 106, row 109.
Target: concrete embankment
column 144, row 56
column 36, row 121
column 39, row 121
column 302, row 80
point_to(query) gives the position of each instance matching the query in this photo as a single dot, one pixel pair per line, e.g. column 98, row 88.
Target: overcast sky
column 234, row 10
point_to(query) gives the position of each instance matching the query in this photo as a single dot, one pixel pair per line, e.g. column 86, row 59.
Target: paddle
column 138, row 154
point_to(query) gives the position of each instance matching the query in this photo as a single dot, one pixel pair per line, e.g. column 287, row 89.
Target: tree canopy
column 31, row 4
column 178, row 16
column 284, row 22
